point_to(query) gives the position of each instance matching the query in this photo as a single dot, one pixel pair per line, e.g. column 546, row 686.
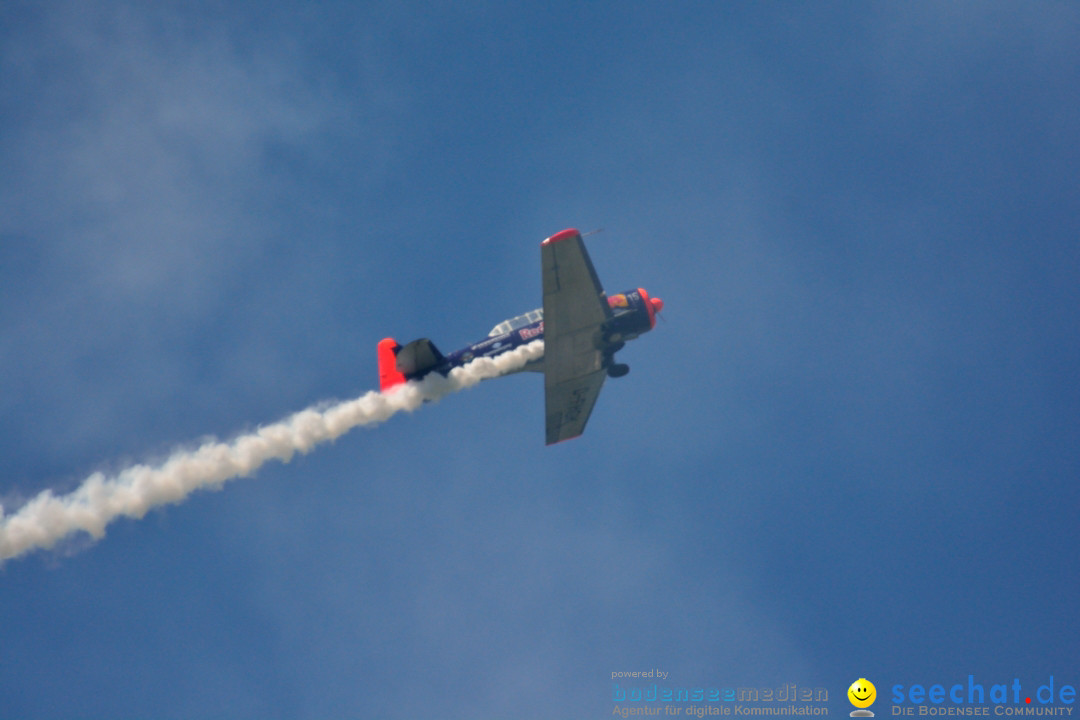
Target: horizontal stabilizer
column 399, row 363
column 418, row 358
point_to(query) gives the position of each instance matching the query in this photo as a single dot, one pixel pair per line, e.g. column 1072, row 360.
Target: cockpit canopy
column 515, row 323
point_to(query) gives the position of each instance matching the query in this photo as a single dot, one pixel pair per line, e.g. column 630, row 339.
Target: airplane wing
column 575, row 310
column 569, row 404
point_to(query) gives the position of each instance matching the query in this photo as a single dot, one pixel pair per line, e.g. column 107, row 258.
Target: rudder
column 389, row 375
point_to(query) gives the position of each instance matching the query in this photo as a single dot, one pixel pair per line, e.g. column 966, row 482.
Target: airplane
column 582, row 329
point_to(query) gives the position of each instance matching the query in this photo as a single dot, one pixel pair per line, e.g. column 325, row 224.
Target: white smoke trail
column 45, row 520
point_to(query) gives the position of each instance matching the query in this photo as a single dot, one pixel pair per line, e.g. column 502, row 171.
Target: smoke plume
column 46, row 519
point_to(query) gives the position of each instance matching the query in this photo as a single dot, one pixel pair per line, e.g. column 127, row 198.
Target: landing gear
column 618, row 370
column 614, row 343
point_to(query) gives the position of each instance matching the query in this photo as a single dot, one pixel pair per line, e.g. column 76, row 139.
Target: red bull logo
column 528, row 333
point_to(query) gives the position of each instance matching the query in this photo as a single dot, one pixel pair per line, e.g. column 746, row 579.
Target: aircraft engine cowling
column 634, row 313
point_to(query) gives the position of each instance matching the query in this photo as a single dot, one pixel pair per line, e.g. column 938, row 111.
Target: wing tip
column 560, row 236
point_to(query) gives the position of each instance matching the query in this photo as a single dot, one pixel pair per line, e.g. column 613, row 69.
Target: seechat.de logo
column 862, row 694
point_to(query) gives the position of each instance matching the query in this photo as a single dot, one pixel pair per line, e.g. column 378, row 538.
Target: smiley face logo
column 862, row 693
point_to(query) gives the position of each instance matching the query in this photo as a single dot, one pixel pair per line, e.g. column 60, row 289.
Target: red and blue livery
column 581, row 326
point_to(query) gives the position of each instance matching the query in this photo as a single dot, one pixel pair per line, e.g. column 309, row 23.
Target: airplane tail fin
column 399, row 363
column 389, row 375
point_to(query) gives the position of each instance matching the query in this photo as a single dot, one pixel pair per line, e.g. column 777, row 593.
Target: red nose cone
column 657, row 304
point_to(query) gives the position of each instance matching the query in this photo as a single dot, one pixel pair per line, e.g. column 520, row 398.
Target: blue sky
column 851, row 451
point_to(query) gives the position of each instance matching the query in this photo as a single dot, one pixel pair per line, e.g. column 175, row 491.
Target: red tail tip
column 389, row 375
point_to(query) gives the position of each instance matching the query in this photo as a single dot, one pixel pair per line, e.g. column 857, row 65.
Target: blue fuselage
column 631, row 316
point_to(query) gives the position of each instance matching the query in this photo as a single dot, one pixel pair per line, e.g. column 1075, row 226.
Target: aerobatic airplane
column 582, row 329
